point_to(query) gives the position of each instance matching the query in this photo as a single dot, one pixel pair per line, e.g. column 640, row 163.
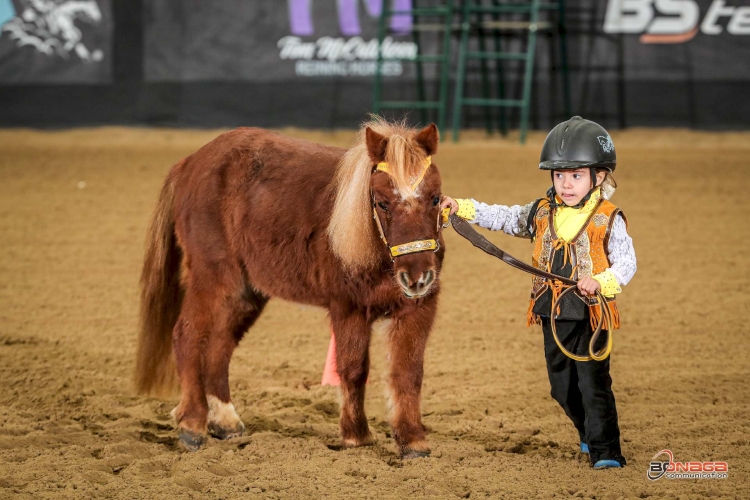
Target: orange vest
column 587, row 251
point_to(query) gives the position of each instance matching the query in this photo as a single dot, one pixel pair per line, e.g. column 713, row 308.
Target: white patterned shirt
column 512, row 220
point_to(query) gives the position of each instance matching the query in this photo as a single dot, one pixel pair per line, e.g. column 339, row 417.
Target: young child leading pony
column 254, row 215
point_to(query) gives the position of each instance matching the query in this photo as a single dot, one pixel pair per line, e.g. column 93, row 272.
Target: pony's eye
column 383, row 205
column 436, row 201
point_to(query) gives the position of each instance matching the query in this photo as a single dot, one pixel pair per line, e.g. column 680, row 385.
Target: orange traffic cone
column 330, row 375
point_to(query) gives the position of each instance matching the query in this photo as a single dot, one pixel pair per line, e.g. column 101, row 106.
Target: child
column 579, row 234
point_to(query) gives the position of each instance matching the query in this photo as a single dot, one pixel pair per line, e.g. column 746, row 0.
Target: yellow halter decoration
column 413, row 246
column 383, row 167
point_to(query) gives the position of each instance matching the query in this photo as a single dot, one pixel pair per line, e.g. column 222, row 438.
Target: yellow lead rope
column 606, row 318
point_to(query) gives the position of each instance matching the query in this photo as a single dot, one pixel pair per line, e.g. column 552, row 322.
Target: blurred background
column 313, row 63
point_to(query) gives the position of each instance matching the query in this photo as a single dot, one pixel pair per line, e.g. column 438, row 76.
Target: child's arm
column 511, row 220
column 622, row 262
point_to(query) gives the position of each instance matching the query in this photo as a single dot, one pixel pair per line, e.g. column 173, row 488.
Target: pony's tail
column 161, row 299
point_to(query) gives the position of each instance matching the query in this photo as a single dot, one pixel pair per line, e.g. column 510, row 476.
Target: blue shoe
column 607, row 464
column 584, row 448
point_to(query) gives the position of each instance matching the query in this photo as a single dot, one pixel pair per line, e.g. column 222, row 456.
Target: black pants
column 583, row 389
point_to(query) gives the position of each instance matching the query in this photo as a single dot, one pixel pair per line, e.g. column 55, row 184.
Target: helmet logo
column 606, row 144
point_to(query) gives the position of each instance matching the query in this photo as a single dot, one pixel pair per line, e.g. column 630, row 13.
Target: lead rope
column 604, row 318
column 559, row 285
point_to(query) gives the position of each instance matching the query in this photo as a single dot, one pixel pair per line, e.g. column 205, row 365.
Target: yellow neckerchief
column 569, row 221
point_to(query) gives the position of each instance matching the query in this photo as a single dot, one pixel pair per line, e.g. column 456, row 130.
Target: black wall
column 216, row 64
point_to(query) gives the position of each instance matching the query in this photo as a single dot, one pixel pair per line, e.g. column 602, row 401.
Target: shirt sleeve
column 508, row 219
column 621, row 257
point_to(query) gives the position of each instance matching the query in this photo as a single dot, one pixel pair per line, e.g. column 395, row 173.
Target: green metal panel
column 442, row 59
column 476, row 8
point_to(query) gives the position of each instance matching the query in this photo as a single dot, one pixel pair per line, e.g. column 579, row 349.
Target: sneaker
column 584, row 448
column 607, row 464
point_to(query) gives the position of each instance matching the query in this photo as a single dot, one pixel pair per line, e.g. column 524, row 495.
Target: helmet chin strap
column 551, row 192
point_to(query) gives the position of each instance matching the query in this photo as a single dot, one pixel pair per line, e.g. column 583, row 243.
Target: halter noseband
column 412, row 246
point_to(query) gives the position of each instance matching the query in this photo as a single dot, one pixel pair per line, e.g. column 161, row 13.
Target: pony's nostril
column 427, row 278
column 403, row 278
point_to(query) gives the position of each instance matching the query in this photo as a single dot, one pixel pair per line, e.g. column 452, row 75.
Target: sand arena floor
column 74, row 207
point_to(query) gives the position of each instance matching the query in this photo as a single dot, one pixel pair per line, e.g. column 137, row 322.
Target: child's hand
column 588, row 285
column 449, row 202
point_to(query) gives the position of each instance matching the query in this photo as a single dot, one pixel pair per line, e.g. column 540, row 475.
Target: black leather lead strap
column 464, row 229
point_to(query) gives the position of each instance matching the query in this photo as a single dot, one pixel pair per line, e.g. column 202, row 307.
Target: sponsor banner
column 674, row 40
column 271, row 40
column 55, row 41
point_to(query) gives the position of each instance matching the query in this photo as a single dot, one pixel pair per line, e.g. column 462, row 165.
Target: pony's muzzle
column 414, row 288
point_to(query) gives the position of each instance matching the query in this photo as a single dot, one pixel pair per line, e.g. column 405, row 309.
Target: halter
column 413, row 246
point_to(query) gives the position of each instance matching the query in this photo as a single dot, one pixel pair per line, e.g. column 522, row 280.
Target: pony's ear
column 376, row 144
column 428, row 139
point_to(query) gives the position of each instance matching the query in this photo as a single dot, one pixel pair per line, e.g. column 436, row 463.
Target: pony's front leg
column 407, row 339
column 352, row 331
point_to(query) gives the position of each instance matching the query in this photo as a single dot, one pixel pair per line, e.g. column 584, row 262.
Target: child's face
column 572, row 185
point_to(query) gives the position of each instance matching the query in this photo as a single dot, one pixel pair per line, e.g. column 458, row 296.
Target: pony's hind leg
column 239, row 315
column 407, row 340
column 352, row 331
column 188, row 336
column 211, row 323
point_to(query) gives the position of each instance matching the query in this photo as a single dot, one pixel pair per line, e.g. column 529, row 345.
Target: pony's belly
column 288, row 284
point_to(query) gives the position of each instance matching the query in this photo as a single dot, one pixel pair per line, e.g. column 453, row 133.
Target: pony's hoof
column 220, row 432
column 410, row 454
column 368, row 440
column 191, row 441
column 223, row 421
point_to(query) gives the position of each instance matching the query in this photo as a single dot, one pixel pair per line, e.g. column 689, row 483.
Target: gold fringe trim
column 531, row 318
column 595, row 314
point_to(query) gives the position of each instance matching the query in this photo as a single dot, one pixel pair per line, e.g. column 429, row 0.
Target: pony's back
column 257, row 204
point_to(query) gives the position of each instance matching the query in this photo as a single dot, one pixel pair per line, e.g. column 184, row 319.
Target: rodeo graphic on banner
column 55, row 41
column 271, row 40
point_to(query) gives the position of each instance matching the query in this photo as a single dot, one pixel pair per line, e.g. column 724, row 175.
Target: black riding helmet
column 578, row 143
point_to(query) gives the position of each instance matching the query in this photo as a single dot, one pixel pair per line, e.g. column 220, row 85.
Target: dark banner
column 680, row 40
column 272, row 40
column 311, row 62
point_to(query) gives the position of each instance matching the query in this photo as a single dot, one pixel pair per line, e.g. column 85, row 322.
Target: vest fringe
column 595, row 314
column 531, row 318
column 544, row 250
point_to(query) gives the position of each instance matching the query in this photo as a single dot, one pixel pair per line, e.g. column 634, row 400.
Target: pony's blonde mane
column 351, row 231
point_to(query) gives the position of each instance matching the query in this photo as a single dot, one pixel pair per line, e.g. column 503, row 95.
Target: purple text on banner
column 300, row 16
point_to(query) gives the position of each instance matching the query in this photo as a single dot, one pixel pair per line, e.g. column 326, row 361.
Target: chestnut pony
column 253, row 215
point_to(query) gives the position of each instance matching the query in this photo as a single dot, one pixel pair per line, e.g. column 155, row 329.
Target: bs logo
column 674, row 21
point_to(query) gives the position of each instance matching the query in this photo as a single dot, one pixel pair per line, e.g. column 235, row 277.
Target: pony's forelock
column 351, row 230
